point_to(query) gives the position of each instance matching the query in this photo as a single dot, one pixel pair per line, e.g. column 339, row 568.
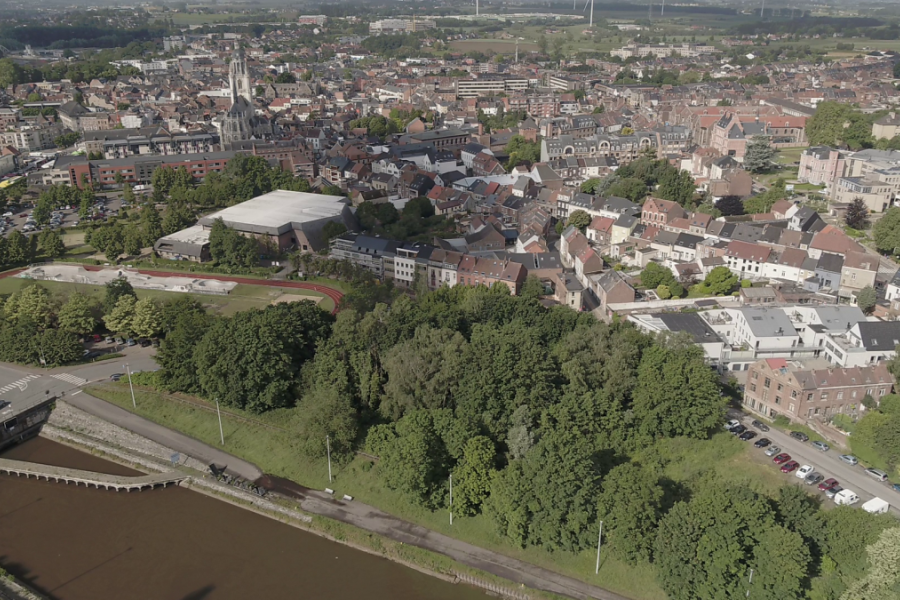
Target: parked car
column 116, row 376
column 96, row 337
column 804, row 471
column 738, row 430
column 813, row 478
column 109, row 339
column 877, row 474
column 832, row 491
column 732, row 424
column 781, row 459
column 760, row 425
column 145, row 343
column 820, row 446
column 789, row 466
column 799, row 435
column 762, row 442
column 773, row 450
column 828, row 484
column 120, row 341
column 130, row 342
column 92, row 354
column 895, row 487
column 849, row 459
column 747, row 436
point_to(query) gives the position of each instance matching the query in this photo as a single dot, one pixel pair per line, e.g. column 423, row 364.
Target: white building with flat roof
column 287, row 219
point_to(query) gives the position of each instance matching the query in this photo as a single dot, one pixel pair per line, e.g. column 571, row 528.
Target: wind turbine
column 591, row 24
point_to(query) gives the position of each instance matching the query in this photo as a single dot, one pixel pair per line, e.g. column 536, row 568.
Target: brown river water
column 174, row 544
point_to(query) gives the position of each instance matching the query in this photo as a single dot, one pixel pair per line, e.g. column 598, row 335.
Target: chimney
column 480, row 129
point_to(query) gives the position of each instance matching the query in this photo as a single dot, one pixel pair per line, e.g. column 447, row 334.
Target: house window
column 777, row 399
column 767, row 382
column 840, row 395
column 882, row 392
column 755, row 375
column 780, row 387
column 824, row 396
column 791, row 407
column 752, row 387
column 809, row 397
column 793, row 393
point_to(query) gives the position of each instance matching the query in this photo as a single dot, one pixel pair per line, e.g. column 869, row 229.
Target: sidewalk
column 353, row 512
column 162, row 435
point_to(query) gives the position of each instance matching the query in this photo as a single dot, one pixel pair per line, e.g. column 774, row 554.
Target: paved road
column 829, row 465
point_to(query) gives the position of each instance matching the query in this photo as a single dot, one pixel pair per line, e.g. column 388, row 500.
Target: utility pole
column 451, row 498
column 128, row 370
column 221, row 432
column 599, row 541
column 328, row 451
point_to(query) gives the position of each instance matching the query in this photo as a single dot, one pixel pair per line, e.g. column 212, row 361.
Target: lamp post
column 221, row 433
column 128, row 370
column 328, row 451
column 451, row 498
column 599, row 541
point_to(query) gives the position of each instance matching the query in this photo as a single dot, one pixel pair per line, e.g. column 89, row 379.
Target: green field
column 723, row 458
column 242, row 297
column 203, row 19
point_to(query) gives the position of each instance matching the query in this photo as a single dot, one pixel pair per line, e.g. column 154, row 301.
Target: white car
column 773, row 450
column 803, row 471
column 732, row 424
column 7, row 214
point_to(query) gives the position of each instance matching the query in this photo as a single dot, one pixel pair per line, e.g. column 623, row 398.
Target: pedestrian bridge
column 89, row 478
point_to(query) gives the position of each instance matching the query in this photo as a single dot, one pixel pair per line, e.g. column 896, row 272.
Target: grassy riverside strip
column 413, row 557
column 267, row 442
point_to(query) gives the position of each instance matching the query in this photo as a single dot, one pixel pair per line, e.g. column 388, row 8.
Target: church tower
column 239, row 78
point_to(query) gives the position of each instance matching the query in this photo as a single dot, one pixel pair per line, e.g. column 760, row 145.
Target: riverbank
column 82, row 431
column 267, row 440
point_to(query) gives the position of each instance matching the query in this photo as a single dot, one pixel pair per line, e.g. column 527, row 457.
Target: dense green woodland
column 549, row 422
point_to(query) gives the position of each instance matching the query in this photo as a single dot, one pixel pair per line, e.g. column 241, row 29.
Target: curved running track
column 332, row 293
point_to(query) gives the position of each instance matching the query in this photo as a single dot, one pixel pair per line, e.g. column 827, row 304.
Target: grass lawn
column 723, row 458
column 242, row 297
column 789, row 156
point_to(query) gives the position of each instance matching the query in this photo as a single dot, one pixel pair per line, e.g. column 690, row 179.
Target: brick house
column 659, row 212
column 776, row 386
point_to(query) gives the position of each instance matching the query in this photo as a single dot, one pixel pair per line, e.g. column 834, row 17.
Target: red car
column 789, row 466
column 781, row 459
column 828, row 484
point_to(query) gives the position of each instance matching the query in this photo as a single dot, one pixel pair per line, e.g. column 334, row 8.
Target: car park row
column 807, row 473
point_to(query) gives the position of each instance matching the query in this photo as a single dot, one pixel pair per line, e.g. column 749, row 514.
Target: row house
column 624, row 148
column 778, row 387
column 136, row 170
column 746, row 260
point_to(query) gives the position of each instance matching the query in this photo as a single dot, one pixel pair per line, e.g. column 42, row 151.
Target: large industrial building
column 281, row 219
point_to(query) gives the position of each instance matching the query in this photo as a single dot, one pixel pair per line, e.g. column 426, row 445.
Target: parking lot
column 827, row 463
column 20, row 217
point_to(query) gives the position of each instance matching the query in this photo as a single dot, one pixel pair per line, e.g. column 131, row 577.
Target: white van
column 847, row 497
column 876, row 506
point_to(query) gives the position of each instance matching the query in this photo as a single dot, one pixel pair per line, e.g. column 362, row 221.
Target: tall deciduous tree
column 121, row 318
column 677, row 393
column 866, row 299
column 579, row 219
column 115, row 289
column 77, row 315
column 147, row 320
column 630, row 507
column 327, row 413
column 886, row 232
column 423, row 372
column 253, row 359
column 473, row 475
